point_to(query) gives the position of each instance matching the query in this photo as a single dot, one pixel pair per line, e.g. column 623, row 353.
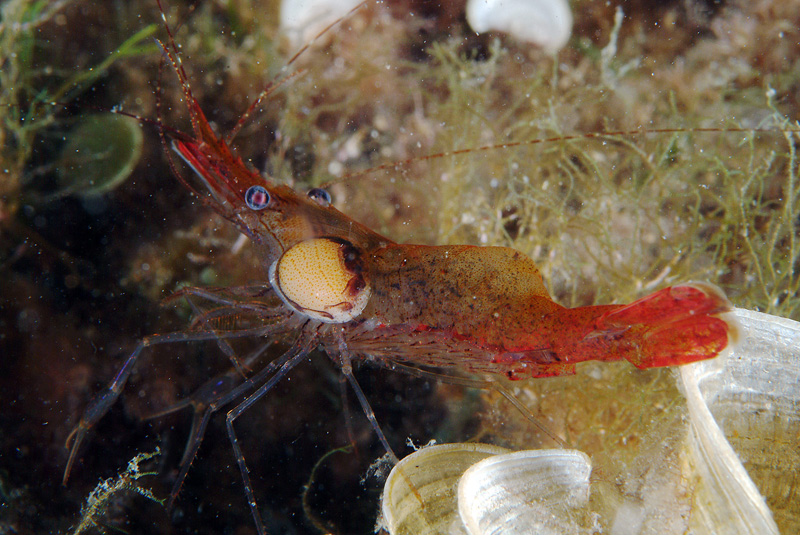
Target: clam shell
column 303, row 20
column 419, row 497
column 546, row 23
column 532, row 491
column 471, row 489
column 745, row 426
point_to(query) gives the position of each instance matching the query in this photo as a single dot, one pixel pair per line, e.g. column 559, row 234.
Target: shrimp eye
column 322, row 278
column 320, row 196
column 256, row 197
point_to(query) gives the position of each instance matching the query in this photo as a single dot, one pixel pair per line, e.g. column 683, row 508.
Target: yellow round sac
column 321, row 278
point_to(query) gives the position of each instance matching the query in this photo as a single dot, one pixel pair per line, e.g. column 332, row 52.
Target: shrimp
column 332, row 282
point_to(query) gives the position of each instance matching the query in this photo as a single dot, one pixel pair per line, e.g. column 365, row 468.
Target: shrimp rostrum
column 334, row 283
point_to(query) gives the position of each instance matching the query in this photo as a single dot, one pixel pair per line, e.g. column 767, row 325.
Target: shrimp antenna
column 160, row 119
column 333, row 24
column 611, row 135
column 173, row 56
column 271, row 87
column 266, row 92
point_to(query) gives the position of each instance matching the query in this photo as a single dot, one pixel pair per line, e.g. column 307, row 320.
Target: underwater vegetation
column 33, row 91
column 606, row 220
column 105, row 491
column 100, row 153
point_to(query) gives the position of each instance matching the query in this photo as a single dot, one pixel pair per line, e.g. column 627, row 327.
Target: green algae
column 100, row 154
column 33, row 89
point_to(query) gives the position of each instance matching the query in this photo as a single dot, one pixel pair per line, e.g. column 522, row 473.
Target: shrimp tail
column 673, row 326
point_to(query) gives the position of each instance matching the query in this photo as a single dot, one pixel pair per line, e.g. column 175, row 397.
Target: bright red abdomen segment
column 673, row 326
column 494, row 299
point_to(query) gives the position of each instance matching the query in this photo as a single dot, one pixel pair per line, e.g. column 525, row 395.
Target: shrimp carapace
column 490, row 298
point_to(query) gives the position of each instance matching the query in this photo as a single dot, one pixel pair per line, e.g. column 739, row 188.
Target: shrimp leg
column 222, row 296
column 485, row 383
column 290, row 359
column 347, row 371
column 103, row 401
column 206, row 401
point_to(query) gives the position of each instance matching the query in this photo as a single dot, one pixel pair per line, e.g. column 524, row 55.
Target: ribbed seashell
column 471, row 489
column 745, row 431
column 419, row 496
column 525, row 492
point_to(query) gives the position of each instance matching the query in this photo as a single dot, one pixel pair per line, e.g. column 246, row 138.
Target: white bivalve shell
column 546, row 23
column 745, row 431
column 419, row 496
column 531, row 491
column 471, row 489
column 303, row 20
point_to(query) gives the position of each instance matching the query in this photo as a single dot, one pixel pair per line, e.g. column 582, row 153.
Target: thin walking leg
column 291, row 358
column 347, row 370
column 485, row 384
column 100, row 405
